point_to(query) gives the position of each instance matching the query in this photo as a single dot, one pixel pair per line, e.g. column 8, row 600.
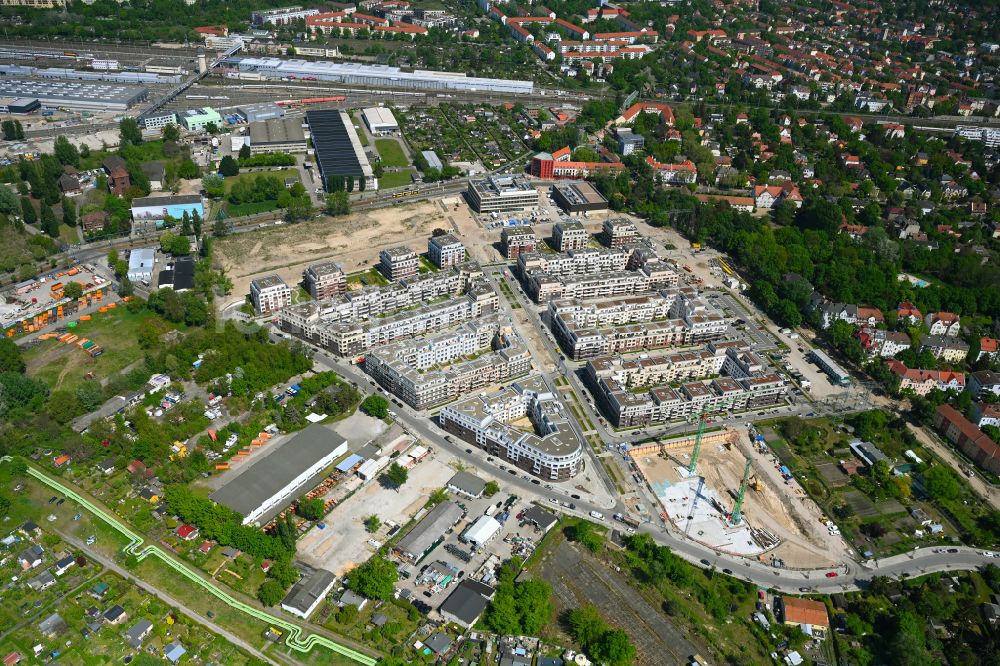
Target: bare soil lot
column 353, row 241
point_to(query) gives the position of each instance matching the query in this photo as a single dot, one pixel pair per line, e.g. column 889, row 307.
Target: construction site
column 720, row 490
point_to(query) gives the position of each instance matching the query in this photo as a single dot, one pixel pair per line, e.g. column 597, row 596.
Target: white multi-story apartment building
column 324, row 280
column 502, row 194
column 398, row 263
column 445, row 250
column 430, row 370
column 269, row 294
column 553, row 451
column 280, row 16
column 570, row 236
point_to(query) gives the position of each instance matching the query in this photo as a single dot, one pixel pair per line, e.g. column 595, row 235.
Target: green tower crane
column 697, row 443
column 737, row 514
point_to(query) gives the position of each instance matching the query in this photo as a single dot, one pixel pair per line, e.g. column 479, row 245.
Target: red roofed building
column 213, row 30
column 681, row 173
column 988, row 347
column 798, row 612
column 559, row 165
column 907, row 312
column 769, row 196
column 136, row 467
column 943, row 323
column 972, row 441
column 574, row 30
column 12, row 658
column 923, row 382
column 187, row 532
column 631, row 113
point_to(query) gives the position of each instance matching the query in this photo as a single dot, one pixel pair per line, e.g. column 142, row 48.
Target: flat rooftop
column 88, row 93
column 277, row 130
column 268, row 476
column 338, row 149
column 580, row 193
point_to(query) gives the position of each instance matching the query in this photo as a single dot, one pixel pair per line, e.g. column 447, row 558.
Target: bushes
column 375, row 405
column 268, row 159
column 518, row 608
column 603, row 644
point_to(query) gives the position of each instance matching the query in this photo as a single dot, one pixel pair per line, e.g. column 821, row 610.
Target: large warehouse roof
column 366, row 74
column 74, row 94
column 273, row 474
column 338, row 149
column 437, row 522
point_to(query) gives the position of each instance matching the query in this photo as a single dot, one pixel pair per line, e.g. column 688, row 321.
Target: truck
column 293, row 390
column 597, row 515
column 628, row 520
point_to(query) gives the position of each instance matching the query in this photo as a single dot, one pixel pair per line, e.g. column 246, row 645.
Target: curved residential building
column 553, row 451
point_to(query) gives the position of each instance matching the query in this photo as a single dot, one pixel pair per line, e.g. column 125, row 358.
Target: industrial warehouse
column 373, row 75
column 75, row 95
column 338, row 150
column 275, row 481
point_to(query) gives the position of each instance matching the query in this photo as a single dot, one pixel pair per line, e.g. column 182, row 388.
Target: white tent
column 482, row 530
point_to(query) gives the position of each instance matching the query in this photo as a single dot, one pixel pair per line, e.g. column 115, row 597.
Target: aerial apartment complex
column 324, row 280
column 672, row 317
column 357, row 321
column 553, row 451
column 615, row 381
column 433, row 369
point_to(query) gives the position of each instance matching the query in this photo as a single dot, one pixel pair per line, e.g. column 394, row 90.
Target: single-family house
column 115, row 615
column 64, row 565
column 807, row 614
column 138, row 632
column 31, row 558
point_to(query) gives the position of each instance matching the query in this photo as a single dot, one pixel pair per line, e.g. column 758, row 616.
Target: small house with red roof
column 187, row 532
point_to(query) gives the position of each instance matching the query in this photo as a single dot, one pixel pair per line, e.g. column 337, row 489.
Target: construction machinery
column 737, row 515
column 697, row 443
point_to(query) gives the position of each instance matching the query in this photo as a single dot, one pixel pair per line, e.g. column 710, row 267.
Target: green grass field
column 64, row 366
column 282, row 173
column 395, row 179
column 391, row 153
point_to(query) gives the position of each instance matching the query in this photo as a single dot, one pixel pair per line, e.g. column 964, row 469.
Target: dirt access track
column 352, row 241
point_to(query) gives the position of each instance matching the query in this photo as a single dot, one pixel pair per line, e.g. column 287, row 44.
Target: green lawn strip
column 244, row 175
column 391, row 153
column 395, row 179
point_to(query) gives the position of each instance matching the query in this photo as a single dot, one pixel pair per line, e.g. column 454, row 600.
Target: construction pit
column 778, row 523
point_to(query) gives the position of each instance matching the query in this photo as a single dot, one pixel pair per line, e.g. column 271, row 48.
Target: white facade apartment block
column 270, row 294
column 445, row 251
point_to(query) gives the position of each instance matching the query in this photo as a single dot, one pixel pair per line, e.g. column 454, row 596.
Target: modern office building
column 570, row 236
column 278, row 135
column 628, row 141
column 339, row 153
column 379, row 120
column 324, row 280
column 502, row 194
column 554, row 450
column 196, row 120
column 398, row 263
column 445, row 250
column 159, row 120
column 515, row 240
column 579, row 197
column 269, row 294
column 374, row 75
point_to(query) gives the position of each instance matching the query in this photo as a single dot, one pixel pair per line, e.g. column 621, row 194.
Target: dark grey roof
column 470, row 484
column 113, row 613
column 439, row 642
column 331, row 138
column 540, row 517
column 468, row 601
column 305, row 592
column 427, row 531
column 268, row 476
column 135, row 633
